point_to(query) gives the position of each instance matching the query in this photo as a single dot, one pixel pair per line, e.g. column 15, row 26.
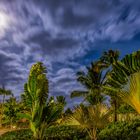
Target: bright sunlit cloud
column 4, row 21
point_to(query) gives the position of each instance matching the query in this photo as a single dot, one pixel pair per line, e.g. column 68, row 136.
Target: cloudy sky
column 65, row 35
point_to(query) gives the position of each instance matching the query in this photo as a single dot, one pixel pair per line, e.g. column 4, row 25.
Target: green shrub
column 25, row 134
column 125, row 108
column 52, row 133
column 65, row 133
column 121, row 131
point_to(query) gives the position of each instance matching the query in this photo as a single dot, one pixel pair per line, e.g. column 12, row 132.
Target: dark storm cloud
column 61, row 34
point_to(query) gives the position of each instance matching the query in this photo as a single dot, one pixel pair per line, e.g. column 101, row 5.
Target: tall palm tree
column 93, row 82
column 90, row 119
column 39, row 113
column 131, row 92
column 4, row 93
column 109, row 59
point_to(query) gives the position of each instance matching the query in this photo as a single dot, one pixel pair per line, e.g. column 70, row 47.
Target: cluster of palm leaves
column 93, row 81
column 90, row 118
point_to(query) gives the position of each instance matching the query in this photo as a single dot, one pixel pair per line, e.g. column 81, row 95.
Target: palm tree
column 61, row 100
column 93, row 82
column 109, row 59
column 131, row 92
column 4, row 93
column 39, row 113
column 90, row 119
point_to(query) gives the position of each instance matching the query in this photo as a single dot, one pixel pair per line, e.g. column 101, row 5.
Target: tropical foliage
column 11, row 110
column 110, row 103
column 3, row 93
column 36, row 93
column 121, row 131
column 131, row 92
column 90, row 119
column 18, row 135
column 93, row 81
column 41, row 114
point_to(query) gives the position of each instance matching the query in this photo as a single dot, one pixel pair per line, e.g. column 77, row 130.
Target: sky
column 66, row 35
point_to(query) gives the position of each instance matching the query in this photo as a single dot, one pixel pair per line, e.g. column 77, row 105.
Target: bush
column 65, row 133
column 125, row 109
column 121, row 131
column 25, row 134
column 52, row 133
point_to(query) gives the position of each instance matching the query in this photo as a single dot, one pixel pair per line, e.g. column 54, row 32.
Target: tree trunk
column 115, row 110
column 3, row 87
column 11, row 124
column 2, row 109
column 1, row 116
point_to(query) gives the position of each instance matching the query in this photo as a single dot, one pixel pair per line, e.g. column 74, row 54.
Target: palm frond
column 131, row 92
column 78, row 94
column 89, row 117
column 25, row 115
column 52, row 113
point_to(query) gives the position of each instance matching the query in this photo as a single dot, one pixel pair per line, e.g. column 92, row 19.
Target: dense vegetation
column 121, row 131
column 52, row 133
column 18, row 135
column 109, row 109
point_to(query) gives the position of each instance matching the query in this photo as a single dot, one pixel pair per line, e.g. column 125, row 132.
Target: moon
column 4, row 21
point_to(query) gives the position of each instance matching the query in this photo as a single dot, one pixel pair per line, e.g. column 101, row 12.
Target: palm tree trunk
column 1, row 115
column 2, row 109
column 3, row 102
column 115, row 110
column 11, row 123
column 3, row 87
column 3, row 98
